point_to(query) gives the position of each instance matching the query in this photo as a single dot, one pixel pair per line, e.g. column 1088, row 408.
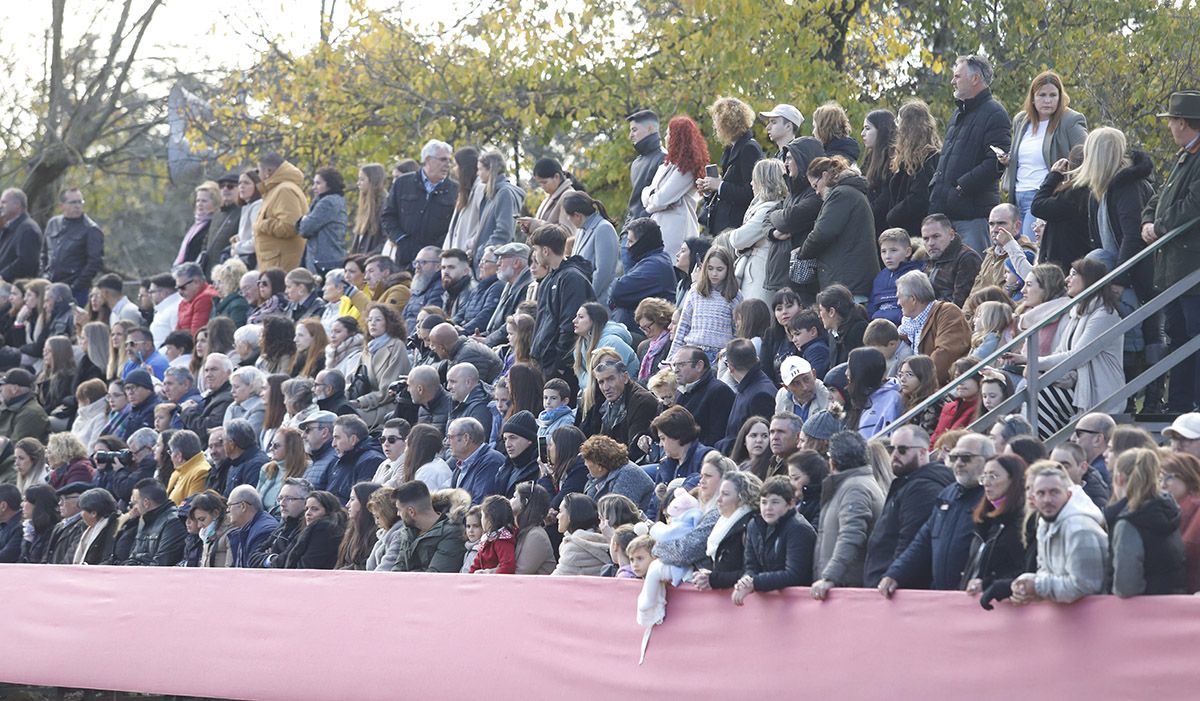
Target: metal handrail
column 1031, row 359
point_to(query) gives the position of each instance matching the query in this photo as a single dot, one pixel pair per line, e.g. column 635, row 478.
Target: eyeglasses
column 291, row 498
column 902, row 450
column 962, row 457
column 988, row 478
column 235, row 503
column 264, row 283
column 74, row 202
column 1085, row 431
column 392, row 439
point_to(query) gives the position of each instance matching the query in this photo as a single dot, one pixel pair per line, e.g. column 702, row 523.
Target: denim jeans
column 974, row 233
column 1024, row 202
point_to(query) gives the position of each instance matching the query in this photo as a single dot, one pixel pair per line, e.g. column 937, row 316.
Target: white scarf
column 88, row 538
column 721, row 529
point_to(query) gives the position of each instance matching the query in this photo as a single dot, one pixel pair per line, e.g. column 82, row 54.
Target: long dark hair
column 741, row 454
column 361, row 533
column 567, row 440
column 877, row 162
column 752, row 318
column 525, row 384
column 45, row 506
column 535, row 504
column 334, row 511
column 867, row 368
column 1092, row 271
column 467, row 160
column 278, row 337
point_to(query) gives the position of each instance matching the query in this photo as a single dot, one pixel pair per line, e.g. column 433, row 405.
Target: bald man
column 1007, row 244
column 470, row 398
column 432, row 400
column 445, row 341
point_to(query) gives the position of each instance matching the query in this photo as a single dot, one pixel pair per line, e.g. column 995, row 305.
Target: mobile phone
column 998, row 151
column 543, row 450
column 710, row 170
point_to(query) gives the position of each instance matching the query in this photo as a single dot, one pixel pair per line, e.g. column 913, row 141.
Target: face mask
column 209, row 531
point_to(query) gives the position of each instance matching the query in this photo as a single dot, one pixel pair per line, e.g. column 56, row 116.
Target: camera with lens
column 399, row 390
column 108, row 457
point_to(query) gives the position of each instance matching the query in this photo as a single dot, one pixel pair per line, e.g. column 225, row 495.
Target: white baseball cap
column 787, row 112
column 793, row 366
column 1186, row 426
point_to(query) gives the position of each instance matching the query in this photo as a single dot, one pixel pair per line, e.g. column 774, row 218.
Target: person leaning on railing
column 1094, row 379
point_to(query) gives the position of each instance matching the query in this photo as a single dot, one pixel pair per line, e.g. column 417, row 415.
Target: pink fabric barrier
column 354, row 635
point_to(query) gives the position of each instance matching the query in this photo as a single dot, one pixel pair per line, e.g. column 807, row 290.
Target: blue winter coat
column 937, row 556
column 474, row 313
column 477, row 474
column 755, row 396
column 883, row 406
column 245, row 540
column 357, row 465
column 652, row 276
column 882, row 304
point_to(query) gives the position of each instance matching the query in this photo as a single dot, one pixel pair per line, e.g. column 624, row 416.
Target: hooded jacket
column 277, row 242
column 909, row 501
column 1127, row 195
column 617, row 337
column 582, row 553
column 843, row 238
column 439, row 549
column 1072, row 551
column 560, row 294
column 965, row 184
column 1147, row 550
column 497, row 222
column 1065, row 212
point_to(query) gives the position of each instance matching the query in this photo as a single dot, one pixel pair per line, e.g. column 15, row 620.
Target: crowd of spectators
column 469, row 377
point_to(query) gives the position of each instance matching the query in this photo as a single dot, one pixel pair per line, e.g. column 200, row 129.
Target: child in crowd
column 895, row 249
column 640, row 553
column 557, row 412
column 498, row 545
column 164, row 413
column 1014, row 284
column 964, row 408
column 473, row 532
column 779, row 543
column 993, row 320
column 621, row 538
column 706, row 315
column 808, row 335
column 918, row 380
column 883, row 335
column 994, row 387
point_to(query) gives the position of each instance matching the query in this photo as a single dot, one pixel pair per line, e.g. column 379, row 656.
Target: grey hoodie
column 1072, row 551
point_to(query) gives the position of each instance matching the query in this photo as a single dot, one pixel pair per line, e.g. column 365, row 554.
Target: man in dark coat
column 909, row 501
column 1177, row 204
column 965, row 185
column 469, row 396
column 648, row 272
column 64, row 539
column 478, row 465
column 643, row 132
column 21, row 416
column 330, row 391
column 708, row 399
column 199, row 417
column 566, row 287
column 160, row 532
column 433, row 401
column 272, row 550
column 244, row 457
column 951, row 265
column 449, row 346
column 622, row 410
column 224, row 224
column 418, row 208
column 755, row 393
column 936, row 557
column 74, row 250
column 513, row 270
column 251, row 526
column 359, row 454
column 519, row 437
column 20, row 239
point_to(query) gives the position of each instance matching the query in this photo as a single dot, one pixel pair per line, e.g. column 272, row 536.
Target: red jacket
column 194, row 313
column 498, row 551
column 956, row 413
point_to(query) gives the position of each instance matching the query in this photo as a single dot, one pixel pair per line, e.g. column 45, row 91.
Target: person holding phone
column 672, row 195
column 728, row 197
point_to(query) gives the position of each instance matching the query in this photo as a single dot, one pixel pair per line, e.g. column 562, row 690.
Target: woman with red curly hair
column 671, row 197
